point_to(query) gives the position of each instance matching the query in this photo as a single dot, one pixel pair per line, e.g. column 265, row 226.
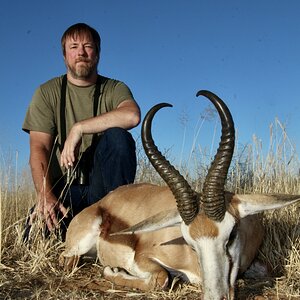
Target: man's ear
column 250, row 204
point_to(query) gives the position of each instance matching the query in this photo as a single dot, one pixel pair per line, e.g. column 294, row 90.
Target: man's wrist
column 78, row 128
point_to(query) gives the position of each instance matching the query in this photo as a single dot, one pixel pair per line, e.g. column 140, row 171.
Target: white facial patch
column 215, row 258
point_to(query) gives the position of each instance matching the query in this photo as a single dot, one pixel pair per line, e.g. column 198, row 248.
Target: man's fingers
column 49, row 223
column 63, row 210
column 53, row 219
column 50, row 217
column 67, row 162
column 67, row 157
column 32, row 217
column 48, row 212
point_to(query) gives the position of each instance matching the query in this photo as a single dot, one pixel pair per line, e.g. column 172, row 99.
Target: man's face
column 81, row 56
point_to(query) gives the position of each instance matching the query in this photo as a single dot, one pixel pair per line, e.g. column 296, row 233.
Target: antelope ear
column 251, row 204
column 158, row 221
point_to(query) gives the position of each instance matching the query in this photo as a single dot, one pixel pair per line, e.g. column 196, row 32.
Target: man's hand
column 71, row 146
column 41, row 145
column 48, row 207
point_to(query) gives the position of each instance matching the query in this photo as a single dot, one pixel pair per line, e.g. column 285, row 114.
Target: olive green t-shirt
column 43, row 113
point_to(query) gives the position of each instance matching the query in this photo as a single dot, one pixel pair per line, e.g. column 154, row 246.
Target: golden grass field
column 32, row 271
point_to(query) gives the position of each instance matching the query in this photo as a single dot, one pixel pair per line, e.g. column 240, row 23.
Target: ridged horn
column 213, row 197
column 186, row 198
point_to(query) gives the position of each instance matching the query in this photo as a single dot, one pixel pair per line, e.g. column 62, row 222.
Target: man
column 78, row 126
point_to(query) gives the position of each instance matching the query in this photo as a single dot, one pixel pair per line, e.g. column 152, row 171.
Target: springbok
column 218, row 235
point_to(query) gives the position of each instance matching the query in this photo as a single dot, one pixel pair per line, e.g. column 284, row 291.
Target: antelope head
column 210, row 221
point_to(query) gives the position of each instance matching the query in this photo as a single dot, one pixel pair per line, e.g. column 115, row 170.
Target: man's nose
column 81, row 50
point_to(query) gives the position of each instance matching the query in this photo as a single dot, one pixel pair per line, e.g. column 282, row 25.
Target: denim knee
column 114, row 163
column 119, row 140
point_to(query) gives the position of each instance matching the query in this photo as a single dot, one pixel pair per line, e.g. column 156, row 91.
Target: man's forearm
column 126, row 116
column 47, row 203
column 39, row 161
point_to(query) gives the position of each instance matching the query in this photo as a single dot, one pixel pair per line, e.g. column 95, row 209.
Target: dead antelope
column 219, row 233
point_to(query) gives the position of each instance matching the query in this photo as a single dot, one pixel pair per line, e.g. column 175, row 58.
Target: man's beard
column 82, row 71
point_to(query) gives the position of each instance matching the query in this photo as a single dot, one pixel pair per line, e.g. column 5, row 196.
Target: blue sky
column 247, row 52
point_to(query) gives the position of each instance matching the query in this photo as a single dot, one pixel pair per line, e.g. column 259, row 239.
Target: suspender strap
column 97, row 95
column 63, row 107
column 63, row 112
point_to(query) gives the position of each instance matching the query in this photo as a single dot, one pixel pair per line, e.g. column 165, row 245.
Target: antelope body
column 143, row 233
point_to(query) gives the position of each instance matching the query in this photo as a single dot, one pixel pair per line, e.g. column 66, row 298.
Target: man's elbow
column 131, row 114
column 135, row 118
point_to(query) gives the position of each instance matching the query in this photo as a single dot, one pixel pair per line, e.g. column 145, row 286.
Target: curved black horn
column 186, row 198
column 213, row 198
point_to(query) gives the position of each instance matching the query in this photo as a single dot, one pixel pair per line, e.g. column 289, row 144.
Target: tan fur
column 157, row 244
column 251, row 234
column 232, row 203
column 141, row 251
column 202, row 226
column 251, row 229
column 124, row 207
column 146, row 257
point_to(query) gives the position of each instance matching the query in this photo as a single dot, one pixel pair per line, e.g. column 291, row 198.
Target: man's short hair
column 81, row 29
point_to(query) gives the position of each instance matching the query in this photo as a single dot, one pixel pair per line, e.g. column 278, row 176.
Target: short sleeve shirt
column 43, row 113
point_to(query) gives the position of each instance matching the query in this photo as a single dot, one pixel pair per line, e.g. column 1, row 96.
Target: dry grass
column 32, row 272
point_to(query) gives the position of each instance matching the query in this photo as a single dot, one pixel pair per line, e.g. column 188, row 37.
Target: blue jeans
column 113, row 165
